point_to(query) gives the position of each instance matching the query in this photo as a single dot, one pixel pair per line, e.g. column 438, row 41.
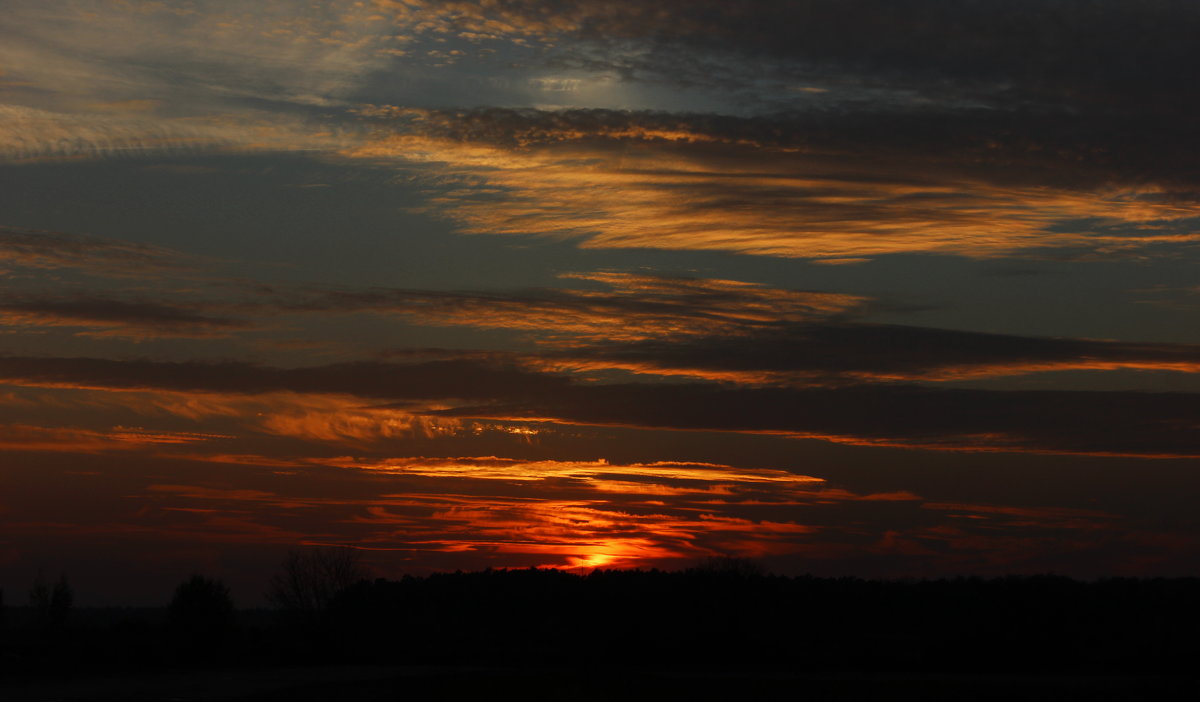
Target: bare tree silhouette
column 309, row 579
column 51, row 604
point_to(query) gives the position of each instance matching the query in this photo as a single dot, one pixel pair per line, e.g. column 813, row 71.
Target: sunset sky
column 852, row 287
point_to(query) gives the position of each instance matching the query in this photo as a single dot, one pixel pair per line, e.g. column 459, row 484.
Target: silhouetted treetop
column 201, row 603
column 730, row 567
column 52, row 604
column 308, row 580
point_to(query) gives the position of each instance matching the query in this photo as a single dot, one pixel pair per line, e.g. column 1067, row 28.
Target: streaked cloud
column 196, row 50
column 25, row 437
column 492, row 468
column 573, row 514
column 850, row 352
column 136, row 319
column 735, row 331
column 626, row 307
column 50, row 250
column 30, row 135
column 996, row 52
column 636, row 185
column 1102, row 423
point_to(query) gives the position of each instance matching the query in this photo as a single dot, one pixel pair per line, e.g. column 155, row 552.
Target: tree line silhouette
column 722, row 612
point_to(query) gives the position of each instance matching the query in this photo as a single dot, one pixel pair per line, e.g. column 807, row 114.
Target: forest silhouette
column 721, row 614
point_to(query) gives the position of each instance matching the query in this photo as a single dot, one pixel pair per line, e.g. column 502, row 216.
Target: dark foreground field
column 632, row 635
column 394, row 684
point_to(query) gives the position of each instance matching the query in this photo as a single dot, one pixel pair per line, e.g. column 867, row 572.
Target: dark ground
column 628, row 635
column 382, row 683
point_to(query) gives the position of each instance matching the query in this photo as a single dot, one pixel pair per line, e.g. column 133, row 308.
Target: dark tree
column 201, row 603
column 308, row 580
column 730, row 567
column 201, row 615
column 51, row 605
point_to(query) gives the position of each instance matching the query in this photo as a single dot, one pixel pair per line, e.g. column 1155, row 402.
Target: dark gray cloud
column 737, row 331
column 385, row 381
column 902, row 146
column 114, row 316
column 1110, row 54
column 615, row 306
column 1126, row 423
column 35, row 248
column 872, row 351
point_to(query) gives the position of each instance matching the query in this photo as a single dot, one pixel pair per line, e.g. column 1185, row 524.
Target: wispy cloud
column 30, row 248
column 197, row 51
column 97, row 316
column 1104, row 423
column 26, row 437
column 625, row 307
column 733, row 331
column 585, row 514
column 571, row 513
column 1100, row 55
column 630, row 181
column 819, row 352
column 30, row 135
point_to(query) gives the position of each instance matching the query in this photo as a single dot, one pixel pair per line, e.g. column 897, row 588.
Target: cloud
column 30, row 135
column 1107, row 54
column 628, row 307
column 196, row 51
column 595, row 473
column 439, row 513
column 26, row 437
column 433, row 380
column 630, row 180
column 731, row 330
column 803, row 353
column 332, row 418
column 579, row 514
column 110, row 317
column 38, row 249
column 1096, row 423
column 435, row 512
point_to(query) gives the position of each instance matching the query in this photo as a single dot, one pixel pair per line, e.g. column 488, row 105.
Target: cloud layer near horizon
column 1091, row 422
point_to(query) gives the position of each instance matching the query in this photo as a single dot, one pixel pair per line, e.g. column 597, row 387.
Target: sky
column 883, row 288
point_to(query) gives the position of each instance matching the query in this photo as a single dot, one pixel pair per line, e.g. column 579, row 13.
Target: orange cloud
column 629, row 307
column 103, row 317
column 492, row 468
column 765, row 201
column 478, row 511
column 336, row 418
column 368, row 400
column 25, row 437
column 575, row 514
